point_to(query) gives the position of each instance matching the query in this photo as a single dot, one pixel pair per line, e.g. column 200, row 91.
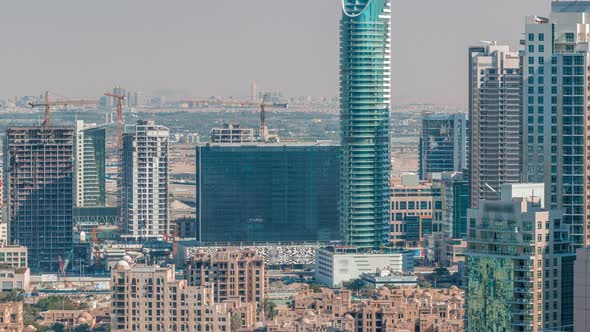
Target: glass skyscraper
column 267, row 192
column 365, row 82
column 443, row 144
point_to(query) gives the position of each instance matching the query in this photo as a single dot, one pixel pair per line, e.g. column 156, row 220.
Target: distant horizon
column 203, row 49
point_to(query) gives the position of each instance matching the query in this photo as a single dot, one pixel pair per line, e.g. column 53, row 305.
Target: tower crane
column 264, row 105
column 48, row 104
column 120, row 99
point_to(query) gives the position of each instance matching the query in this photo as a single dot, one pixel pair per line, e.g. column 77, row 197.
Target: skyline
column 193, row 47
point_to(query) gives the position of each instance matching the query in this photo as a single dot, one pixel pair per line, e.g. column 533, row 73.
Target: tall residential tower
column 365, row 83
column 494, row 114
column 555, row 113
column 144, row 201
column 39, row 192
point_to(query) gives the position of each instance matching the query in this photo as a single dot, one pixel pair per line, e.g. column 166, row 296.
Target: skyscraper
column 520, row 265
column 144, row 201
column 267, row 192
column 555, row 134
column 365, row 83
column 494, row 115
column 443, row 144
column 39, row 192
column 90, row 165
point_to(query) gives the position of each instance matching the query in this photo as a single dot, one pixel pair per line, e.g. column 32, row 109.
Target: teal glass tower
column 365, row 77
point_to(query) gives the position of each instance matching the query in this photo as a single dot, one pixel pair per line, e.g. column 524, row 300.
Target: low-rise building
column 15, row 278
column 69, row 318
column 236, row 273
column 11, row 316
column 13, row 255
column 397, row 310
column 335, row 265
column 148, row 298
column 387, row 277
column 232, row 133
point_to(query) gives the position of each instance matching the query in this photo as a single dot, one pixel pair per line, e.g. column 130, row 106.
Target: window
column 541, row 37
column 541, row 60
column 531, row 48
column 541, row 48
column 531, row 60
column 569, row 37
column 531, row 37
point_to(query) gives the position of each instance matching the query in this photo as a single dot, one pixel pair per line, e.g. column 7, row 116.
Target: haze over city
column 203, row 48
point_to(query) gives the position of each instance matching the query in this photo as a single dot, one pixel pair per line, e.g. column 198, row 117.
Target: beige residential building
column 148, row 298
column 69, row 318
column 11, row 317
column 235, row 273
column 396, row 310
column 13, row 255
column 416, row 210
column 15, row 278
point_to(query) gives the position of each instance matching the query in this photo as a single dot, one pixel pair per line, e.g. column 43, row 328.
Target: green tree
column 58, row 327
column 235, row 323
column 354, row 285
column 82, row 328
column 315, row 287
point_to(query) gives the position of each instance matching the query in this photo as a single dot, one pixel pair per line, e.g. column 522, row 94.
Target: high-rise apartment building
column 267, row 192
column 39, row 192
column 144, row 163
column 494, row 115
column 519, row 267
column 148, row 298
column 236, row 274
column 443, row 144
column 365, row 97
column 582, row 290
column 555, row 107
column 89, row 157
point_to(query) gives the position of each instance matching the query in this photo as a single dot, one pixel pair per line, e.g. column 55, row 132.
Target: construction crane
column 120, row 99
column 62, row 269
column 48, row 104
column 264, row 105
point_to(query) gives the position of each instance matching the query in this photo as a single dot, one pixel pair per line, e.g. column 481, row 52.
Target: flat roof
column 570, row 6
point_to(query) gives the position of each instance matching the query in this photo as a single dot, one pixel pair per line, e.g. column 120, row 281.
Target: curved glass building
column 365, row 78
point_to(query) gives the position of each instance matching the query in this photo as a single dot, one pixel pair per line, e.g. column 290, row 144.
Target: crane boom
column 47, row 104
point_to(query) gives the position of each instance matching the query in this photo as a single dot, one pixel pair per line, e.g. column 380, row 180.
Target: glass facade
column 94, row 149
column 365, row 76
column 442, row 144
column 267, row 193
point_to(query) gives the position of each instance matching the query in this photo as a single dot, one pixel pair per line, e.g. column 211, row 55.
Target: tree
column 58, row 327
column 354, row 285
column 82, row 328
column 315, row 287
column 269, row 308
column 15, row 295
column 235, row 323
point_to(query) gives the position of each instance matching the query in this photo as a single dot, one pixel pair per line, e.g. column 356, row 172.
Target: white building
column 334, row 265
column 89, row 187
column 144, row 190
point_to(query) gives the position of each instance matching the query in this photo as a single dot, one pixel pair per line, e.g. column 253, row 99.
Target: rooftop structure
column 232, row 133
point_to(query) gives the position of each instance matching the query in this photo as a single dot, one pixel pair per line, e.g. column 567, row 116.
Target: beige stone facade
column 148, row 298
column 13, row 256
column 398, row 310
column 235, row 273
column 11, row 317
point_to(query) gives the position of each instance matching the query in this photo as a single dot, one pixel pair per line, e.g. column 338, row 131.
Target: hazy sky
column 81, row 48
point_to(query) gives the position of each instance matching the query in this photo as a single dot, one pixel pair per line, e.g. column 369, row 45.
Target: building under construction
column 39, row 192
column 144, row 182
column 90, row 188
